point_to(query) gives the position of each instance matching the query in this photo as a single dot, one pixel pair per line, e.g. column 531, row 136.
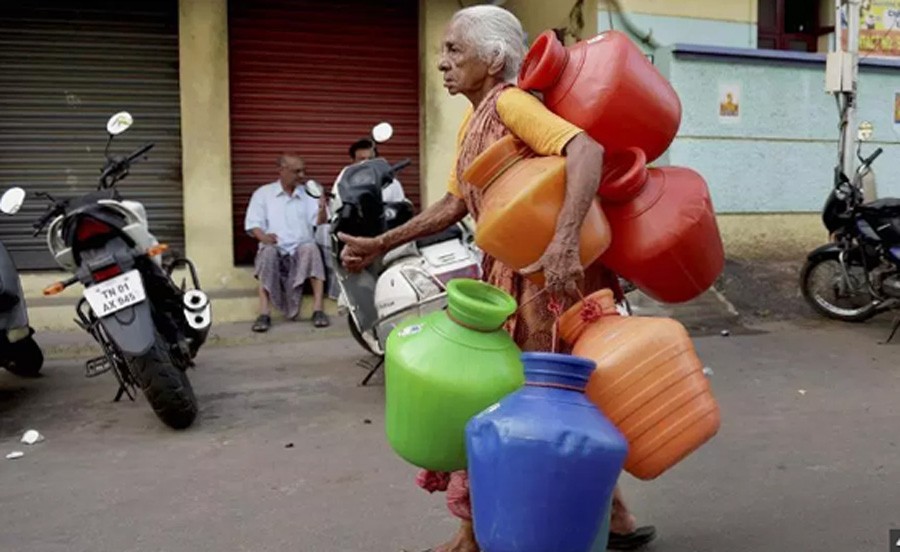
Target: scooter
column 408, row 281
column 19, row 352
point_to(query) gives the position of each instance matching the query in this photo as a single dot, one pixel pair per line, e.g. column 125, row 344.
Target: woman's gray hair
column 494, row 32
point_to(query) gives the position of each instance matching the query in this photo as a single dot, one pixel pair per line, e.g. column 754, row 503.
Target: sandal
column 320, row 319
column 262, row 324
column 641, row 536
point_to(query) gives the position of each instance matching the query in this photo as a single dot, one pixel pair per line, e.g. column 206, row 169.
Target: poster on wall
column 729, row 103
column 879, row 29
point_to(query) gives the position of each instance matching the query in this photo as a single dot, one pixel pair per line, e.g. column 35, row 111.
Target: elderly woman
column 482, row 52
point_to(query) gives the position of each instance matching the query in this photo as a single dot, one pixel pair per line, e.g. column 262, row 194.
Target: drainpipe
column 644, row 37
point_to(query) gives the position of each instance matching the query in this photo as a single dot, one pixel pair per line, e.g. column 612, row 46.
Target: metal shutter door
column 64, row 70
column 313, row 77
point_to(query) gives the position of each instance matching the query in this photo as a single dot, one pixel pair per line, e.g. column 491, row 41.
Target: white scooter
column 409, row 280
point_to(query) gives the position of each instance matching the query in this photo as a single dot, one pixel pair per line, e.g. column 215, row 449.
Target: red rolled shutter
column 313, row 77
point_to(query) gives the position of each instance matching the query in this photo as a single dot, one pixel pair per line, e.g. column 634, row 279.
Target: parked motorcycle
column 409, row 280
column 857, row 275
column 19, row 352
column 149, row 329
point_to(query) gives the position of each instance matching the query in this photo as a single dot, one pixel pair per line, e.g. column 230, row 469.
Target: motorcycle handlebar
column 42, row 222
column 118, row 169
column 140, row 152
column 401, row 165
column 869, row 160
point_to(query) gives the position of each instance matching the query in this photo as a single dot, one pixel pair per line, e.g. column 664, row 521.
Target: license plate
column 115, row 294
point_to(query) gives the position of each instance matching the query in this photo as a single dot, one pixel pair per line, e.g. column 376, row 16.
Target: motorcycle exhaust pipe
column 195, row 301
column 199, row 321
column 197, row 310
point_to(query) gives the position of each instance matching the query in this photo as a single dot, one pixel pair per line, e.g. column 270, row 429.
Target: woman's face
column 464, row 70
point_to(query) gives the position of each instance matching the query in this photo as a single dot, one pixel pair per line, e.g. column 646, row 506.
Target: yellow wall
column 771, row 236
column 742, row 11
column 440, row 113
column 205, row 139
column 537, row 16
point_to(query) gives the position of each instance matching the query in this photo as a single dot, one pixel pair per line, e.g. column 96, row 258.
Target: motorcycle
column 857, row 275
column 19, row 352
column 148, row 328
column 407, row 281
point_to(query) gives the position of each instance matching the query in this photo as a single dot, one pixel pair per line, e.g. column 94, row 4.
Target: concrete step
column 58, row 314
column 74, row 343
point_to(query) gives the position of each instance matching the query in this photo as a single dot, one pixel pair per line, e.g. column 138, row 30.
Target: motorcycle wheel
column 25, row 358
column 168, row 389
column 855, row 304
column 357, row 335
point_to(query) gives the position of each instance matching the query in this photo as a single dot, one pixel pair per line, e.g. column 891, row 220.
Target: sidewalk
column 78, row 344
column 709, row 313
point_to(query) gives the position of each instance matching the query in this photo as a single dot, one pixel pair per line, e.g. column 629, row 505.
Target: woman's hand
column 561, row 265
column 358, row 253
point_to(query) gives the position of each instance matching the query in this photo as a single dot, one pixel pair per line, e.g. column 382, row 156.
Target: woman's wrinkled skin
column 467, row 73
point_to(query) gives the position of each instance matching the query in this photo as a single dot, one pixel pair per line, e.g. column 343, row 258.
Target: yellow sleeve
column 452, row 183
column 542, row 130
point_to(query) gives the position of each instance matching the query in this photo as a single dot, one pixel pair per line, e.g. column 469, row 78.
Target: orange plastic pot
column 522, row 197
column 648, row 382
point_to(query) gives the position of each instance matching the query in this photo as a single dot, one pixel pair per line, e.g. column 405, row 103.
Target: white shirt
column 291, row 218
column 393, row 192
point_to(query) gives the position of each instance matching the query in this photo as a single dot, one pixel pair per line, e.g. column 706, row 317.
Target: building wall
column 203, row 29
column 730, row 23
column 770, row 171
column 780, row 155
column 441, row 113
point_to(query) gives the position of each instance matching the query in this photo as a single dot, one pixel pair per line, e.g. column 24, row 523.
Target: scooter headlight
column 424, row 285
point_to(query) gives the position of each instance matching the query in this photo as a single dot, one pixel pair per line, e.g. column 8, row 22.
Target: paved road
column 790, row 471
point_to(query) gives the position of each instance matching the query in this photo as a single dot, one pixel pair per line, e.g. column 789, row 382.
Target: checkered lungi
column 282, row 276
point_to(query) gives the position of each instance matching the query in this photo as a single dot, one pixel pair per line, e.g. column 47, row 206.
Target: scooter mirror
column 119, row 123
column 12, row 200
column 382, row 132
column 865, row 130
column 314, row 189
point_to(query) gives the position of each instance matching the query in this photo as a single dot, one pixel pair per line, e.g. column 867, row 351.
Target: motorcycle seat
column 406, row 250
column 886, row 206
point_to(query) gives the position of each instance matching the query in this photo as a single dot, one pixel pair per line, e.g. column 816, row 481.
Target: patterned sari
column 532, row 326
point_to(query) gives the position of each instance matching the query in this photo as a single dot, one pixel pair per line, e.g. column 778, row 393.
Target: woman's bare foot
column 463, row 541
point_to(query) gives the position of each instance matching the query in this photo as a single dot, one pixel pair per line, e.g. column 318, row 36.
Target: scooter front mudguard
column 131, row 329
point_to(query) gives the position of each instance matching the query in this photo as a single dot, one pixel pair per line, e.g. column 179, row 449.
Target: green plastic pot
column 446, row 367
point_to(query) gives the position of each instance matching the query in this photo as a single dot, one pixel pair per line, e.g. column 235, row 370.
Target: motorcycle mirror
column 12, row 200
column 382, row 132
column 119, row 123
column 865, row 130
column 313, row 189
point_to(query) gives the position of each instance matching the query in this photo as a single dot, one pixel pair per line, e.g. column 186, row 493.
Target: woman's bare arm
column 584, row 164
column 446, row 212
column 361, row 252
